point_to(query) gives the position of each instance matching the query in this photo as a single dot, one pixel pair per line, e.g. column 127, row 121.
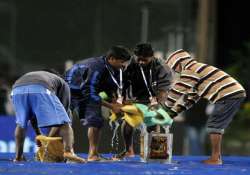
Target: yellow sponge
column 131, row 114
column 51, row 149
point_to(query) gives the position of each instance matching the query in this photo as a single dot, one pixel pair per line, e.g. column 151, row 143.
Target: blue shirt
column 91, row 76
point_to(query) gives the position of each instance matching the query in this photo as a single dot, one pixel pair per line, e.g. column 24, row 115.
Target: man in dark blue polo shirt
column 87, row 79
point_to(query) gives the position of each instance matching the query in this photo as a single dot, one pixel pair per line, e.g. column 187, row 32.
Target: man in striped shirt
column 197, row 80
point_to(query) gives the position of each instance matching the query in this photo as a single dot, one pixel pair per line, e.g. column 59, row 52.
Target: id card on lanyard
column 119, row 85
column 153, row 100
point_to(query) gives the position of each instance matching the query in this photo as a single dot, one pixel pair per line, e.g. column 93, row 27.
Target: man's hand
column 116, row 108
column 154, row 107
column 128, row 102
column 38, row 143
column 170, row 112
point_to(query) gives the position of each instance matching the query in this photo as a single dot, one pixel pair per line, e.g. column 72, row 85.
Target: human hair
column 119, row 52
column 144, row 50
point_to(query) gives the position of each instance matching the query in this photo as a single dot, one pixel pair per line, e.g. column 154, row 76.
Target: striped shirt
column 198, row 80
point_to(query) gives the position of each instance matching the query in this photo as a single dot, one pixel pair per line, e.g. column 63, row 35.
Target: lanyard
column 145, row 80
column 120, row 84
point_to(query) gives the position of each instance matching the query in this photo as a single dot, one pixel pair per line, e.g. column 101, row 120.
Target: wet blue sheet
column 184, row 165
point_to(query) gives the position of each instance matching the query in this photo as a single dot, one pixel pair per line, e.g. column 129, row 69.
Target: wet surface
column 181, row 165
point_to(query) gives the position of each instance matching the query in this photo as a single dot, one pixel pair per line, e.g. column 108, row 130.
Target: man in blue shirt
column 87, row 79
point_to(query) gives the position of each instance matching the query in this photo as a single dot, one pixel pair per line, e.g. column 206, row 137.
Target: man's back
column 215, row 84
column 90, row 76
column 50, row 81
column 199, row 80
column 47, row 79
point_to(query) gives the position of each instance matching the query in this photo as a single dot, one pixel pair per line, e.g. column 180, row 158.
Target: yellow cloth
column 51, row 149
column 131, row 114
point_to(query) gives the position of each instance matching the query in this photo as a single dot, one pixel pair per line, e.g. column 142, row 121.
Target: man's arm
column 93, row 81
column 161, row 96
column 164, row 77
column 34, row 125
column 64, row 96
column 183, row 94
column 115, row 107
column 19, row 137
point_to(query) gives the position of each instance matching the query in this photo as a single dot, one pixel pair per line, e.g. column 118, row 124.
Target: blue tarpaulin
column 233, row 165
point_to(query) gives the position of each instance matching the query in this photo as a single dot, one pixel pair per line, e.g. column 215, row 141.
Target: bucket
column 156, row 147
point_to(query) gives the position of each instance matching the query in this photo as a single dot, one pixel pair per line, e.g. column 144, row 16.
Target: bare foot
column 129, row 154
column 94, row 158
column 72, row 158
column 123, row 155
column 19, row 159
column 211, row 161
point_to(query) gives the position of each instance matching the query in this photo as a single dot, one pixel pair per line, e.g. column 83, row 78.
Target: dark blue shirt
column 91, row 76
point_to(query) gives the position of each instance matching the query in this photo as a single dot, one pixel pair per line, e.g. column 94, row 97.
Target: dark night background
column 50, row 32
column 233, row 29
